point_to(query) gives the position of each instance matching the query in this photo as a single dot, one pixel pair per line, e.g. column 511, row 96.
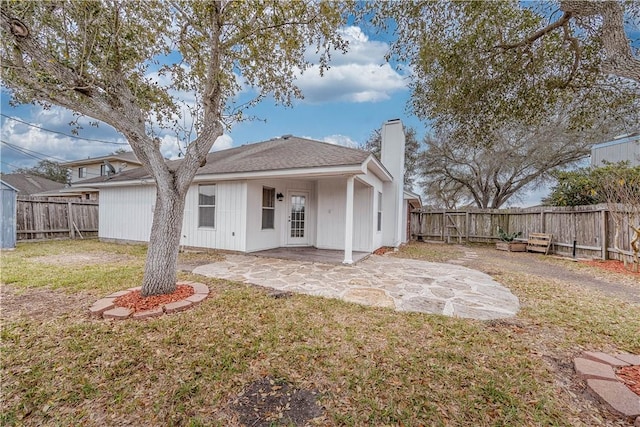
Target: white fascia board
column 285, row 173
column 319, row 172
column 133, row 182
column 377, row 168
column 9, row 185
column 623, row 140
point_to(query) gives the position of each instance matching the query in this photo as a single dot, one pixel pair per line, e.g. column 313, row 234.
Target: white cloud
column 351, row 83
column 40, row 144
column 360, row 75
column 343, row 140
column 172, row 149
column 222, row 143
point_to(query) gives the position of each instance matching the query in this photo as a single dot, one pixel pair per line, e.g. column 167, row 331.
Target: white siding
column 376, row 186
column 230, row 223
column 625, row 150
column 331, row 213
column 363, row 218
column 405, row 213
column 126, row 213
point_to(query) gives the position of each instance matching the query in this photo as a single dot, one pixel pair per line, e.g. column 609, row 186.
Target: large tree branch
column 566, row 17
column 196, row 153
column 619, row 57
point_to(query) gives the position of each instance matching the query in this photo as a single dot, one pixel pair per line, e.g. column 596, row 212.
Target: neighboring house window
column 82, row 172
column 87, row 196
column 379, row 211
column 268, row 207
column 207, row 206
column 103, row 170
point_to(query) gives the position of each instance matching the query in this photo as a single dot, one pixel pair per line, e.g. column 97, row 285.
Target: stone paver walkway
column 382, row 281
column 598, row 369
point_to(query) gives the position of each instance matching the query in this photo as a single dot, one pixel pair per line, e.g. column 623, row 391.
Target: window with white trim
column 379, row 211
column 103, row 170
column 268, row 208
column 82, row 172
column 207, row 206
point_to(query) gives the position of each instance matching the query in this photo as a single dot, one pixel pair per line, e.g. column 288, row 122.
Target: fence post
column 604, row 233
column 72, row 232
column 542, row 225
column 466, row 226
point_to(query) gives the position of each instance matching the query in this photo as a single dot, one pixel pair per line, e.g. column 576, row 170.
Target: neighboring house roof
column 7, row 186
column 285, row 153
column 28, row 184
column 128, row 157
column 413, row 198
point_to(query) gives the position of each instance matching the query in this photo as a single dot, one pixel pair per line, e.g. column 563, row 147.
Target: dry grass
column 372, row 366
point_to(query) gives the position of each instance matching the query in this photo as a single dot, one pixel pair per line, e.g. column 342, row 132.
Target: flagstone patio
column 381, row 281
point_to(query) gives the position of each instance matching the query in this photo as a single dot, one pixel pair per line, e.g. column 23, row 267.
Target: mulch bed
column 612, row 265
column 135, row 301
column 383, row 250
column 630, row 376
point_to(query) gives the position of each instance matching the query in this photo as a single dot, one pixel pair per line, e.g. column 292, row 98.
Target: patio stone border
column 106, row 308
column 598, row 369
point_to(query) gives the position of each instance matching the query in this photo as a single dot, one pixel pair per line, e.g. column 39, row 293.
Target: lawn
column 369, row 366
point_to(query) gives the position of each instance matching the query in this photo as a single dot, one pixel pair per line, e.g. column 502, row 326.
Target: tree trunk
column 160, row 272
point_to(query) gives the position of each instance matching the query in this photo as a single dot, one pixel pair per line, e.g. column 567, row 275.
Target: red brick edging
column 106, row 308
column 598, row 369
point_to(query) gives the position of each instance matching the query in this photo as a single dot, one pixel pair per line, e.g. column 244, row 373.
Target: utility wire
column 23, row 152
column 31, row 153
column 62, row 133
column 10, row 165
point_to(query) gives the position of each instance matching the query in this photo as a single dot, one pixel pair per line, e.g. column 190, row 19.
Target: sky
column 354, row 97
column 344, row 106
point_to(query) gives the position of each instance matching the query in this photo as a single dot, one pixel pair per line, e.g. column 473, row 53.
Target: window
column 207, row 206
column 379, row 211
column 268, row 208
column 103, row 170
column 82, row 172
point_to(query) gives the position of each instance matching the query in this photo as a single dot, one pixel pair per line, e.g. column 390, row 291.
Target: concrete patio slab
column 403, row 284
column 311, row 254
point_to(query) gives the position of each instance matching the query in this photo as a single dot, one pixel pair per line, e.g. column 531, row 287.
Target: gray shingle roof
column 129, row 157
column 273, row 155
column 28, row 184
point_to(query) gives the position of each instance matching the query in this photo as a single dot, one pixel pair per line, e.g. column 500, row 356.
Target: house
column 90, row 168
column 31, row 185
column 284, row 192
column 623, row 148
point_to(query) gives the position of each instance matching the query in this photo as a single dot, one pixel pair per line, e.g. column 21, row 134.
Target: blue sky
column 351, row 100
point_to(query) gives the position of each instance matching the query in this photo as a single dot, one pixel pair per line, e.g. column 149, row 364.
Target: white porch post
column 348, row 224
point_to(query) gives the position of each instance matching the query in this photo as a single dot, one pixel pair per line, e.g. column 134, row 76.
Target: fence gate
column 455, row 226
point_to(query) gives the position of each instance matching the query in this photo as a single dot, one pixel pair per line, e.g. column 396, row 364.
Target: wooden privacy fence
column 581, row 231
column 42, row 219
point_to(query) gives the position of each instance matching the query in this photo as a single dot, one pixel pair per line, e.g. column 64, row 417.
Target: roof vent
column 287, row 136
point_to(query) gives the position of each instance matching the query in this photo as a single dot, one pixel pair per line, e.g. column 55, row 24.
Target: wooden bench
column 539, row 242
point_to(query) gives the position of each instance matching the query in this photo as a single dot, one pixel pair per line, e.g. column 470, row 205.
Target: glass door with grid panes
column 297, row 213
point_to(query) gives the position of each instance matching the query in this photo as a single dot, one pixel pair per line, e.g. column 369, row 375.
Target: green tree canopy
column 480, row 66
column 611, row 183
column 48, row 169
